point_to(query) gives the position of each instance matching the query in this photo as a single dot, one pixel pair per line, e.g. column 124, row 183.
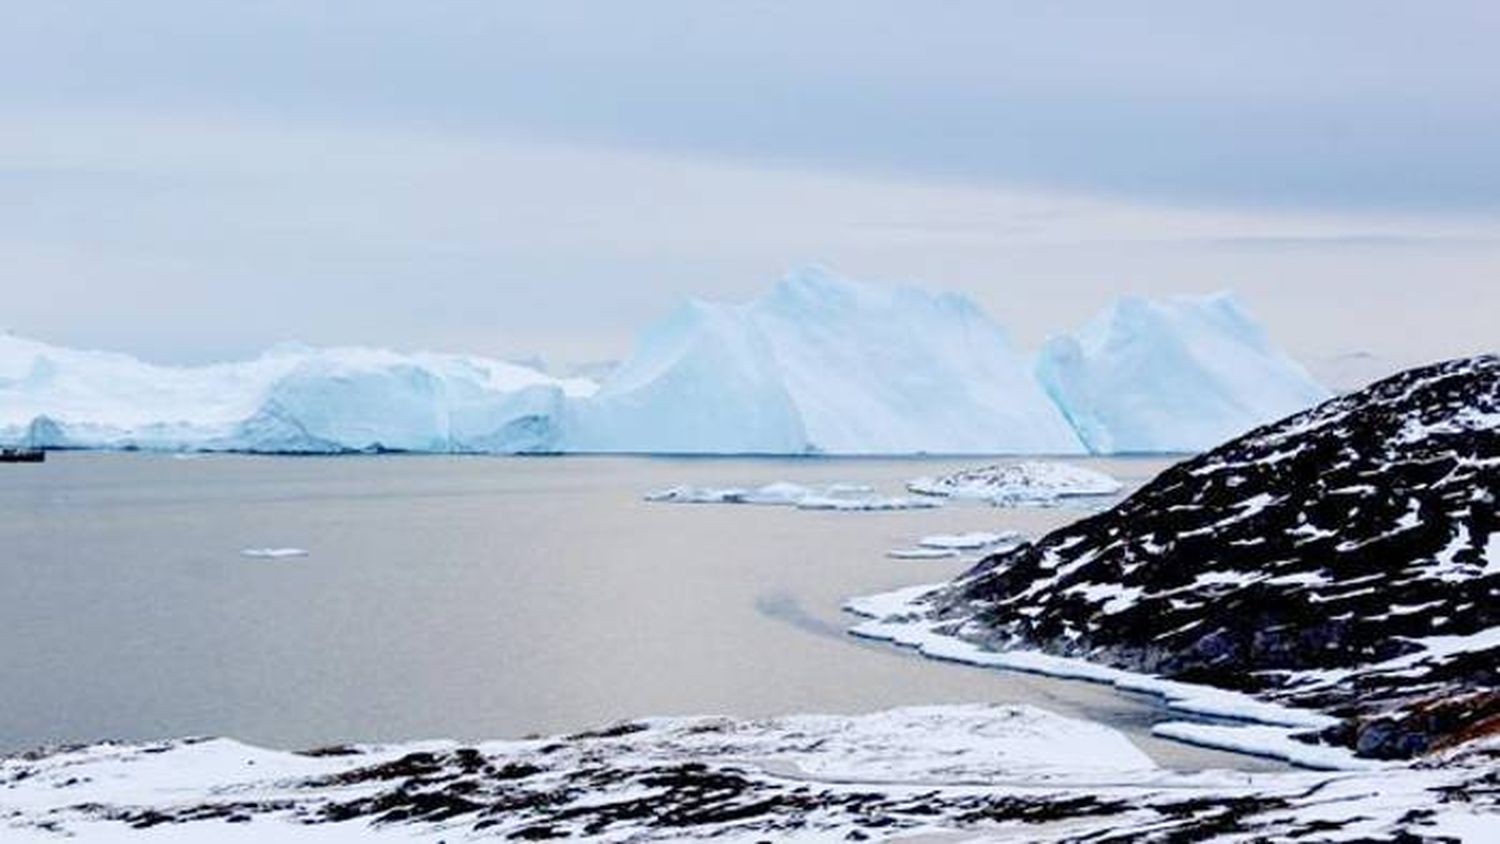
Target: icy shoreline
column 1262, row 728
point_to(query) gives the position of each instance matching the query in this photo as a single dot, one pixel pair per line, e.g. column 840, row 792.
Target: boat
column 22, row 455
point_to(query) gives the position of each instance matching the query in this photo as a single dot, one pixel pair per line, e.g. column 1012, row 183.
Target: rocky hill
column 1346, row 558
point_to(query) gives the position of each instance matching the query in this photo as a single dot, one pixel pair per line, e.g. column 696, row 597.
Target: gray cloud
column 1338, row 105
column 191, row 180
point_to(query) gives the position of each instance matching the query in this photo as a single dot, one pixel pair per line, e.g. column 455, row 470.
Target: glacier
column 1176, row 375
column 818, row 365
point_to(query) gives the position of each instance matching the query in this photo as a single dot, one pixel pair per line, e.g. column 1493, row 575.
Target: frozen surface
column 1179, row 374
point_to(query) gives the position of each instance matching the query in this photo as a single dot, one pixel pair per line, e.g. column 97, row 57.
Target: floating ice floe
column 835, row 496
column 1026, row 482
column 973, row 541
column 921, row 553
column 273, row 553
column 876, row 502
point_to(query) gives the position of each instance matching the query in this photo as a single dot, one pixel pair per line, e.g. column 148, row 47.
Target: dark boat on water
column 22, row 455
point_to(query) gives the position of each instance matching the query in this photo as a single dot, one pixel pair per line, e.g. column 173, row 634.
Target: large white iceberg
column 820, row 365
column 1182, row 374
column 290, row 399
column 824, row 365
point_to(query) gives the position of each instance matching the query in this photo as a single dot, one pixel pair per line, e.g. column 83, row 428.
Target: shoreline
column 1254, row 728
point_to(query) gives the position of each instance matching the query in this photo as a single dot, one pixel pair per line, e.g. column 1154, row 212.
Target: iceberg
column 291, row 399
column 1177, row 375
column 824, row 365
column 1025, row 482
column 819, row 365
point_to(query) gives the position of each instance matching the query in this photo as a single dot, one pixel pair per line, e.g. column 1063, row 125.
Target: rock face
column 1346, row 558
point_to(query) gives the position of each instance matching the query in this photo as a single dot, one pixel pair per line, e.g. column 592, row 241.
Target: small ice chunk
column 273, row 553
column 834, row 496
column 698, row 495
column 780, row 492
column 921, row 553
column 972, row 541
column 829, row 502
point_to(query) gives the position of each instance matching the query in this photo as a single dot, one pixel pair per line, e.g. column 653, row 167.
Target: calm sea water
column 465, row 597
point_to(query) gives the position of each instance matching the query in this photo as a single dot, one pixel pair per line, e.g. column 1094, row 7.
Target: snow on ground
column 1024, row 482
column 998, row 773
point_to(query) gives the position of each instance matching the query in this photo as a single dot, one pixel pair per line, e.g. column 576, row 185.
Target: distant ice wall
column 819, row 365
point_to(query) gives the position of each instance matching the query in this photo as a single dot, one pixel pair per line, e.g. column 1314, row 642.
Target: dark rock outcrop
column 1345, row 558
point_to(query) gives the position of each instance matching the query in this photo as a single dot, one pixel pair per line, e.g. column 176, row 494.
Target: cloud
column 1339, row 105
column 183, row 238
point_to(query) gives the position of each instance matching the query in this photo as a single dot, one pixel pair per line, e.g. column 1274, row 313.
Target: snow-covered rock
column 1026, row 482
column 824, row 365
column 1180, row 374
column 1341, row 559
column 975, row 772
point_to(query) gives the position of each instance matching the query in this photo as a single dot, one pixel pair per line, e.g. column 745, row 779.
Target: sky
column 191, row 181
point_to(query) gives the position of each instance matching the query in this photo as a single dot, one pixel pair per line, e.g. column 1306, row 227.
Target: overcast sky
column 196, row 180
